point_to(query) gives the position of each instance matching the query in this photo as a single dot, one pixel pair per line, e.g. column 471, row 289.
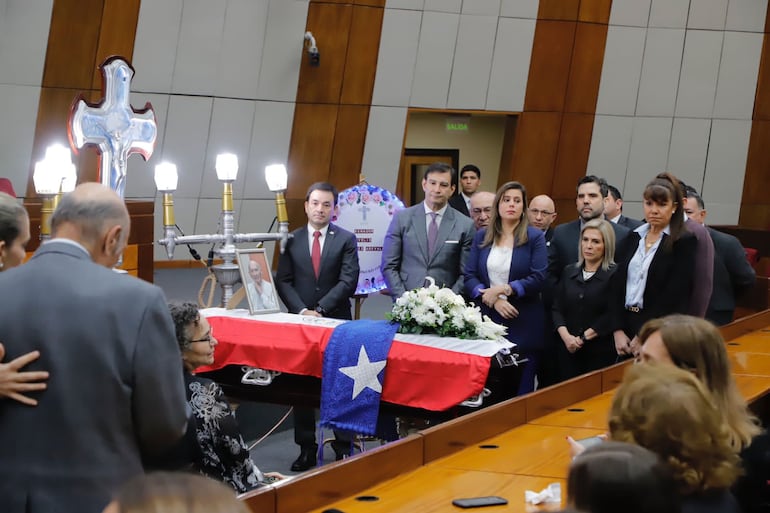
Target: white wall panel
column 610, row 144
column 256, row 216
column 700, row 69
column 230, row 132
column 24, row 28
column 687, row 154
column 746, row 15
column 200, row 48
column 187, row 133
column 384, row 139
column 414, row 5
column 621, row 70
column 649, row 147
column 633, row 13
column 207, row 218
column 738, row 72
column 510, row 64
column 726, row 164
column 269, row 145
column 283, row 50
column 157, row 37
column 452, row 6
column 669, row 13
column 707, row 14
column 398, row 53
column 244, row 33
column 484, row 7
column 140, row 175
column 633, row 209
column 19, row 106
column 472, row 63
column 519, row 8
column 435, row 54
column 722, row 213
column 660, row 72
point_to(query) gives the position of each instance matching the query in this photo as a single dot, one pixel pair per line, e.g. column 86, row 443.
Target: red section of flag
column 416, row 375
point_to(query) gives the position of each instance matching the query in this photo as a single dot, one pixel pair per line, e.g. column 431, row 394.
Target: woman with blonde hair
column 670, row 412
column 580, row 310
column 505, row 273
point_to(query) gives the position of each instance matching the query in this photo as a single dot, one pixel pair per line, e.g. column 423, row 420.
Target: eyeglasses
column 206, row 339
column 537, row 212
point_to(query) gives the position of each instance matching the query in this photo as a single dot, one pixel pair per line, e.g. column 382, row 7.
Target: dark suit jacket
column 116, row 392
column 296, row 282
column 732, row 273
column 458, row 203
column 526, row 278
column 564, row 247
column 631, row 224
column 669, row 281
column 405, row 259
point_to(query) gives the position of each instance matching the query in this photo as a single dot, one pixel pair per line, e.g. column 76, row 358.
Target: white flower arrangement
column 439, row 310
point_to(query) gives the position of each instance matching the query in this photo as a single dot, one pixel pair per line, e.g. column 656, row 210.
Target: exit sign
column 458, row 123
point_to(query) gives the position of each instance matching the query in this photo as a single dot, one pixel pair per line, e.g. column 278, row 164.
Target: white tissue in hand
column 551, row 493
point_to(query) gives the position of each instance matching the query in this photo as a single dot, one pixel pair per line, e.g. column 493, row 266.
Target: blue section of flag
column 339, row 410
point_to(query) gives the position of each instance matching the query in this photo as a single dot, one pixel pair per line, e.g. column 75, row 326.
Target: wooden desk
column 528, row 432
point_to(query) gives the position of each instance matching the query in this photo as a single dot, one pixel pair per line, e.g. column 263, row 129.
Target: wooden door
column 414, row 162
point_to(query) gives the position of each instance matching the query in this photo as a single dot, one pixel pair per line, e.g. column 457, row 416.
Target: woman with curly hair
column 670, row 412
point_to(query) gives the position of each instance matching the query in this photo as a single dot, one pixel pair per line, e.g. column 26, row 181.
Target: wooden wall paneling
column 117, row 34
column 534, row 152
column 551, row 399
column 363, row 44
column 558, row 10
column 506, row 157
column 757, row 183
column 572, row 158
column 262, row 500
column 550, row 65
column 566, row 208
column 72, row 42
column 348, row 149
column 310, row 151
column 370, row 3
column 595, row 11
column 330, row 25
column 586, row 69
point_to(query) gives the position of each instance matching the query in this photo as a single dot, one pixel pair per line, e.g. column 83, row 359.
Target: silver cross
column 116, row 128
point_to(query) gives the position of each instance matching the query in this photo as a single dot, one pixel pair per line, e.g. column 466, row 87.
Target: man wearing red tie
column 317, row 274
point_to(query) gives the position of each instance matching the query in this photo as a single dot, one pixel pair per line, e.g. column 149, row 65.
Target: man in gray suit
column 115, row 396
column 429, row 239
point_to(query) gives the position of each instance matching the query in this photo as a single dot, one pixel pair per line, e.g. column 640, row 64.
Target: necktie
column 315, row 256
column 432, row 233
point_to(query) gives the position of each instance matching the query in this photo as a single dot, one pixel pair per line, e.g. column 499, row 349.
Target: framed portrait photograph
column 257, row 281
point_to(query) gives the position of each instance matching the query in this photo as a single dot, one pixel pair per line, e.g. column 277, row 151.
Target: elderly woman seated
column 213, row 441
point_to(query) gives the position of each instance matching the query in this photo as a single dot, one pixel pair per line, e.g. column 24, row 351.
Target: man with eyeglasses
column 541, row 214
column 482, row 205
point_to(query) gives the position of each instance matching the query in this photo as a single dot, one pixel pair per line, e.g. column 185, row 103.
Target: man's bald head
column 482, row 207
column 541, row 212
column 96, row 217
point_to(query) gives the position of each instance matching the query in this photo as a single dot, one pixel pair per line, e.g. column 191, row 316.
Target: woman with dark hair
column 616, row 476
column 655, row 265
column 213, row 440
column 580, row 314
column 504, row 274
column 14, row 236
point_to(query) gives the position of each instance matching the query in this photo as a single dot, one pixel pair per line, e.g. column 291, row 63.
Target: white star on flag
column 364, row 373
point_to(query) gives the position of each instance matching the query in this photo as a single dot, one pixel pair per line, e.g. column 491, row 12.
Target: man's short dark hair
column 601, row 182
column 322, row 186
column 690, row 192
column 470, row 167
column 440, row 167
column 611, row 189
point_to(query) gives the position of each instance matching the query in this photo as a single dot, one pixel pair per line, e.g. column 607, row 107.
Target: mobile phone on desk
column 479, row 502
column 590, row 441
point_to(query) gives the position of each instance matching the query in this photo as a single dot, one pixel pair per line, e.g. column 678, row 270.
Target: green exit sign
column 458, row 124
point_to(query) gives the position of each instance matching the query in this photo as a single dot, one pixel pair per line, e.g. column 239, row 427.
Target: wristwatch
column 507, row 290
column 320, row 310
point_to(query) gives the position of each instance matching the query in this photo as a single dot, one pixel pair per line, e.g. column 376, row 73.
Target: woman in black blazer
column 580, row 314
column 655, row 265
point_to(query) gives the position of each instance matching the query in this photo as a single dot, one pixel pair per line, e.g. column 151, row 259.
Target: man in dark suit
column 409, row 256
column 541, row 214
column 470, row 180
column 613, row 209
column 317, row 274
column 733, row 275
column 115, row 396
column 563, row 250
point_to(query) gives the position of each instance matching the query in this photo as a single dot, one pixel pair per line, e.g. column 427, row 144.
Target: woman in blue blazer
column 505, row 273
